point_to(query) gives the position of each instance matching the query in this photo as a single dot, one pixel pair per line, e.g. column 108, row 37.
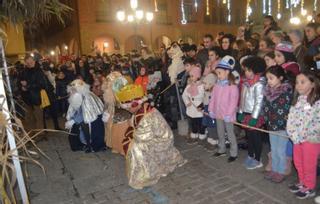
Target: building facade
column 94, row 26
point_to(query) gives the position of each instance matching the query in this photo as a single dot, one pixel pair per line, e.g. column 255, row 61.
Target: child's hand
column 189, row 104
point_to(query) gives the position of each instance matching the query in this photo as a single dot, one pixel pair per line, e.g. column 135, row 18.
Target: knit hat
column 196, row 72
column 230, row 60
column 224, row 65
column 292, row 67
column 284, row 47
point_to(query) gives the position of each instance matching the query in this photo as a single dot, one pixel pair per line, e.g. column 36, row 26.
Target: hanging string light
column 264, row 8
column 224, row 1
column 279, row 9
column 315, row 5
column 249, row 10
column 303, row 11
column 270, row 8
column 229, row 10
column 156, row 6
column 184, row 20
column 196, row 5
column 287, row 4
column 207, row 8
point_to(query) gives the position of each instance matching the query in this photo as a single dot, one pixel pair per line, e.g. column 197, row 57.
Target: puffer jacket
column 303, row 121
column 251, row 100
column 196, row 101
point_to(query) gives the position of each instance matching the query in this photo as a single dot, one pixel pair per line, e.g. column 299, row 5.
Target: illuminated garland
column 229, row 11
column 249, row 10
column 264, row 9
column 207, row 8
column 196, row 5
column 279, row 9
column 156, row 6
column 270, row 8
column 184, row 20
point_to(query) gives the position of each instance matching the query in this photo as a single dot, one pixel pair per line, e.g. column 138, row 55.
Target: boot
column 202, row 136
column 269, row 164
column 288, row 166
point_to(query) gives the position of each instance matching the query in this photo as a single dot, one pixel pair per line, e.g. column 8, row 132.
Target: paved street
column 76, row 177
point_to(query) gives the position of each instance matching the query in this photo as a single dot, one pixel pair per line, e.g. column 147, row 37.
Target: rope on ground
column 261, row 130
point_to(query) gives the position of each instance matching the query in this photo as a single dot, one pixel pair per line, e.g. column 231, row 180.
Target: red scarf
column 251, row 82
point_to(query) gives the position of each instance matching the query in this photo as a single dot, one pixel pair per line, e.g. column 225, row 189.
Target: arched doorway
column 106, row 44
column 134, row 42
column 162, row 40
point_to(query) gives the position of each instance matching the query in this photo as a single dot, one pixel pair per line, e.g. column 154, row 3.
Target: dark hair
column 314, row 95
column 278, row 71
column 231, row 38
column 217, row 50
column 273, row 22
column 208, row 36
column 189, row 60
column 289, row 56
column 193, row 47
column 268, row 41
column 255, row 64
column 313, row 25
column 270, row 54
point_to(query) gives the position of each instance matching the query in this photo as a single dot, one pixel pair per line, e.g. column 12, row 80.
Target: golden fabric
column 151, row 153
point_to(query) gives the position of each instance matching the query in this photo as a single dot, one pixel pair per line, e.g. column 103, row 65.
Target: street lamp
column 121, row 15
column 149, row 16
column 139, row 14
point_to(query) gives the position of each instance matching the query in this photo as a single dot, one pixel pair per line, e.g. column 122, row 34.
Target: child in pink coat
column 223, row 107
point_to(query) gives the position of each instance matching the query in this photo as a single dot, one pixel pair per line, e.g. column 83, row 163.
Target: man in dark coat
column 32, row 81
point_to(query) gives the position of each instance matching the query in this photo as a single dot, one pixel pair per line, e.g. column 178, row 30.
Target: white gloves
column 105, row 117
column 68, row 125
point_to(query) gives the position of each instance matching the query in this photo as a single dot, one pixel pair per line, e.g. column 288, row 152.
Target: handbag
column 45, row 102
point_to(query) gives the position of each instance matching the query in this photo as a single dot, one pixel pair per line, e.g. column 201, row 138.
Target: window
column 190, row 11
column 103, row 11
column 162, row 16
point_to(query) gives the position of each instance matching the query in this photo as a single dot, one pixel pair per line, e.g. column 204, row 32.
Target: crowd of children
column 266, row 81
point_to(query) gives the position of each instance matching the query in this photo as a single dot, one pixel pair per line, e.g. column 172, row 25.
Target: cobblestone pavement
column 76, row 177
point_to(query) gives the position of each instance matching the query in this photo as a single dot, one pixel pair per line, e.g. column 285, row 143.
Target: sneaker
column 254, row 165
column 294, row 188
column 202, row 136
column 268, row 175
column 212, row 141
column 248, row 160
column 317, row 200
column 278, row 178
column 194, row 135
column 305, row 193
column 232, row 159
column 217, row 154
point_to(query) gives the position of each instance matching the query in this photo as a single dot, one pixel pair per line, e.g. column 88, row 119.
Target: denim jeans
column 278, row 152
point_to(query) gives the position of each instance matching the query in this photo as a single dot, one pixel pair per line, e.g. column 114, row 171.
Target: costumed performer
column 84, row 118
column 148, row 143
column 113, row 83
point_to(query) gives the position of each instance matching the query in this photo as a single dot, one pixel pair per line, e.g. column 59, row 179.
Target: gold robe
column 151, row 152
